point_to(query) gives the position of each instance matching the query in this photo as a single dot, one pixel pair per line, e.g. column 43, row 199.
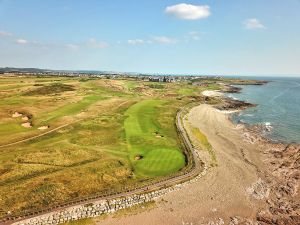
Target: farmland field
column 62, row 138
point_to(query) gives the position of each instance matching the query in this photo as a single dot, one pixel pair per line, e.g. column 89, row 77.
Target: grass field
column 115, row 134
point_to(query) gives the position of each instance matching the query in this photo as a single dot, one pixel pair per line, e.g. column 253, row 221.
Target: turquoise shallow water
column 278, row 108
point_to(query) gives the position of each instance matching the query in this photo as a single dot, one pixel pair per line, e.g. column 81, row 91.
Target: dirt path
column 225, row 192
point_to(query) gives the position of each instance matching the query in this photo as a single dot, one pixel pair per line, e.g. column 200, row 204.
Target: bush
column 51, row 89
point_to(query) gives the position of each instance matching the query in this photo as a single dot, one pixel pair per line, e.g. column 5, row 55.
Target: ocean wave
column 231, row 96
column 268, row 126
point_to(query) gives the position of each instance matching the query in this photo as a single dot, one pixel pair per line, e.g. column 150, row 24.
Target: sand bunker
column 158, row 135
column 17, row 114
column 25, row 118
column 138, row 157
column 27, row 125
column 43, row 128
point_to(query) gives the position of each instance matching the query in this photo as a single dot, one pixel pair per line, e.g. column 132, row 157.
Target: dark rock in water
column 231, row 89
column 248, row 82
column 232, row 104
column 260, row 128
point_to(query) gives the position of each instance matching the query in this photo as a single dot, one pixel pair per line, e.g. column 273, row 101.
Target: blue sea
column 278, row 108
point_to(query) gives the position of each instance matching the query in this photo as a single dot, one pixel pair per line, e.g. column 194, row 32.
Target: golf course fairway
column 152, row 147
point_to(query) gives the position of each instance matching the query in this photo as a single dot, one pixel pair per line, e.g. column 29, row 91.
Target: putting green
column 154, row 144
column 160, row 162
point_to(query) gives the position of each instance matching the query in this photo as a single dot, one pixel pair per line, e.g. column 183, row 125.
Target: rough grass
column 186, row 91
column 88, row 221
column 156, row 86
column 205, row 145
column 133, row 210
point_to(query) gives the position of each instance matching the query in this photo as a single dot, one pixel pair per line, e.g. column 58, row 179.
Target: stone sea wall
column 101, row 207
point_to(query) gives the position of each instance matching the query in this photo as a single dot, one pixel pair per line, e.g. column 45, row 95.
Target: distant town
column 168, row 78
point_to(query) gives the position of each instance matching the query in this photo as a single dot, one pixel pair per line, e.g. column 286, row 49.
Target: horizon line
column 155, row 73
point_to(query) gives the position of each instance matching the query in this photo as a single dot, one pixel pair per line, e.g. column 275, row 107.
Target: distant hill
column 26, row 70
column 38, row 70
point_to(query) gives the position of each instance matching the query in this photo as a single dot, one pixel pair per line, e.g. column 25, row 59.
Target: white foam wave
column 268, row 126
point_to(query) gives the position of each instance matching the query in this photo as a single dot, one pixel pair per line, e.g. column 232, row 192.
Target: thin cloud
column 93, row 43
column 73, row 47
column 189, row 12
column 136, row 42
column 164, row 40
column 253, row 23
column 22, row 41
column 5, row 34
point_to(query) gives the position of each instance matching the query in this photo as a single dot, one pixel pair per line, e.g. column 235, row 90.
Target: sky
column 232, row 37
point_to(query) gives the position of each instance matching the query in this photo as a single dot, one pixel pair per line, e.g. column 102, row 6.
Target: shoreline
column 251, row 183
column 232, row 106
column 283, row 162
column 231, row 191
column 281, row 173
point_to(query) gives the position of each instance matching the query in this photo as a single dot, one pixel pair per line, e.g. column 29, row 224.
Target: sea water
column 278, row 108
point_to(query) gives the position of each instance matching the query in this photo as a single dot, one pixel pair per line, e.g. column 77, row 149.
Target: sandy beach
column 212, row 93
column 238, row 190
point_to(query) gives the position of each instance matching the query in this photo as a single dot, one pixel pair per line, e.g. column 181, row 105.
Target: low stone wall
column 98, row 208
